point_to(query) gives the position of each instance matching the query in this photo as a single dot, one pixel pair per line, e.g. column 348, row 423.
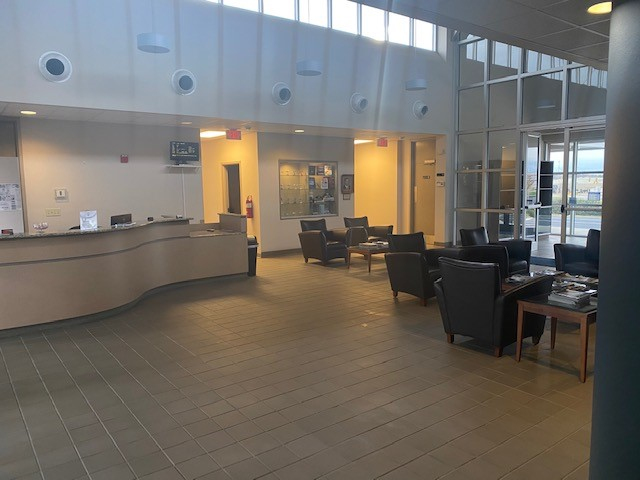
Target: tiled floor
column 301, row 372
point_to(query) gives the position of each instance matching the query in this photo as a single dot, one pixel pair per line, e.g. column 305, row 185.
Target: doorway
column 562, row 188
column 424, row 188
column 231, row 201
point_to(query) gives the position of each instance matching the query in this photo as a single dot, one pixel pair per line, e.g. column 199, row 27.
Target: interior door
column 424, row 190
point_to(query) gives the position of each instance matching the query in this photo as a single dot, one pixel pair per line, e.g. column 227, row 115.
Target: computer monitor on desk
column 121, row 220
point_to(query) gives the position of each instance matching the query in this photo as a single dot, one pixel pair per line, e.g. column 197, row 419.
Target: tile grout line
column 26, row 427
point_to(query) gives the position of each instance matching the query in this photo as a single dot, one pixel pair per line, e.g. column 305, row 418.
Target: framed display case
column 307, row 188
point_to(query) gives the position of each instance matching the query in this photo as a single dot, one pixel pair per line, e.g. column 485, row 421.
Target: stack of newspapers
column 572, row 298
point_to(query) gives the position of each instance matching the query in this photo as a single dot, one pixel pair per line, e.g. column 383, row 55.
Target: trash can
column 252, row 246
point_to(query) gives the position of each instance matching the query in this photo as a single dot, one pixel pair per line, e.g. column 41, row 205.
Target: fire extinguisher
column 249, row 206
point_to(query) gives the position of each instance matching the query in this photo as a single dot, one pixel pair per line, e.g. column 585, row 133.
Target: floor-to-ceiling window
column 509, row 101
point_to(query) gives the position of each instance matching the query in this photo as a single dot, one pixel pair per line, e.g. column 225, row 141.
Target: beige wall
column 217, row 152
column 376, row 192
column 84, row 158
column 278, row 234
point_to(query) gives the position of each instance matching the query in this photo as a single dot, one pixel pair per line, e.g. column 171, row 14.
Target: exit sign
column 234, row 134
column 382, row 142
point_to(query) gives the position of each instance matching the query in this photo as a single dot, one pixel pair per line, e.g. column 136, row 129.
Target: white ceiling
column 560, row 28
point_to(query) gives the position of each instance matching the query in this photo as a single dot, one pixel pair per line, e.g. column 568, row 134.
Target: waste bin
column 252, row 246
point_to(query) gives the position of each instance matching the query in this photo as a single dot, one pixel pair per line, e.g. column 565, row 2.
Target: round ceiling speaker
column 359, row 102
column 183, row 82
column 281, row 93
column 55, row 67
column 420, row 109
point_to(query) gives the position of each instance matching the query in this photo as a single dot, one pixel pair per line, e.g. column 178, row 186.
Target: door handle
column 562, row 208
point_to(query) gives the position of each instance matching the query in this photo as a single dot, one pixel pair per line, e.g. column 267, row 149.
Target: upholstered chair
column 322, row 244
column 472, row 303
column 518, row 250
column 411, row 270
column 374, row 233
column 579, row 260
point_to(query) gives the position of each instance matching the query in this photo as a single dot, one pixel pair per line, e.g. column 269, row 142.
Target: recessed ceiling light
column 358, row 141
column 212, row 134
column 600, row 8
column 27, row 112
column 186, row 123
column 298, row 130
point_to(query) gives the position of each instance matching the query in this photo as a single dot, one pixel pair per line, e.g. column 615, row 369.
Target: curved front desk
column 44, row 278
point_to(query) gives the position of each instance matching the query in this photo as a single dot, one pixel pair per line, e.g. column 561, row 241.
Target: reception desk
column 55, row 276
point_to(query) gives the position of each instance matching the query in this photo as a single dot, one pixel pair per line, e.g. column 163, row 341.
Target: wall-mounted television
column 184, row 152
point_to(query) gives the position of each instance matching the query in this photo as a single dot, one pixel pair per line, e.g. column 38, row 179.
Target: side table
column 583, row 316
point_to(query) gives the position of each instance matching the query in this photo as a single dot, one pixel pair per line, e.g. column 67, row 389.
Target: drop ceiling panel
column 531, row 25
column 600, row 27
column 481, row 13
column 593, row 51
column 536, row 3
column 571, row 39
column 574, row 11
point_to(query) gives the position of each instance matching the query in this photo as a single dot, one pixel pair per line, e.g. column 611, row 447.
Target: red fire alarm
column 124, row 158
column 234, row 134
column 382, row 142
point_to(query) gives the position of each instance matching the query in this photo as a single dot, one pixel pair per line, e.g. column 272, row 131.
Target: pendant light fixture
column 153, row 42
column 308, row 67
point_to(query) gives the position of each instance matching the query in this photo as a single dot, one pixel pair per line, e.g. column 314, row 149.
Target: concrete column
column 615, row 439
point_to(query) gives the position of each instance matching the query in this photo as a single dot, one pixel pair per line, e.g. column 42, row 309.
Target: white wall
column 280, row 234
column 84, row 158
column 236, row 56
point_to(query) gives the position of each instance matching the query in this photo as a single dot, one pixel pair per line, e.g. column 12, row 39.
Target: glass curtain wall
column 504, row 94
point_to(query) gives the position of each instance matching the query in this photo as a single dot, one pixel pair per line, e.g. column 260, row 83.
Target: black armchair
column 472, row 304
column 519, row 251
column 322, row 244
column 374, row 233
column 579, row 260
column 411, row 270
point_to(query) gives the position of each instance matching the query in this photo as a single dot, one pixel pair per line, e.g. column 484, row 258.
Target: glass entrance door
column 563, row 187
column 583, row 186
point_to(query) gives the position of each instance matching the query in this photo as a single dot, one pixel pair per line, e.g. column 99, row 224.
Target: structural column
column 616, row 413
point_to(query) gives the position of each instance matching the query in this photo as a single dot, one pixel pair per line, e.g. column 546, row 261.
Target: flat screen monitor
column 121, row 219
column 183, row 152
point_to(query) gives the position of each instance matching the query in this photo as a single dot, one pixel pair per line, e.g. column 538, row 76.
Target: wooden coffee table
column 367, row 252
column 583, row 316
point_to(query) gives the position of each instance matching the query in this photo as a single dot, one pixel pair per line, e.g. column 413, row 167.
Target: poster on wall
column 10, row 198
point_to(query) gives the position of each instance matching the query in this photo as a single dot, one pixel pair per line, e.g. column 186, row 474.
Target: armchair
column 486, row 315
column 411, row 270
column 519, row 251
column 374, row 233
column 320, row 243
column 578, row 260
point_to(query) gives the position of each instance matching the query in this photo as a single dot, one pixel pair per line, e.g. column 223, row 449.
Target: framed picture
column 346, row 183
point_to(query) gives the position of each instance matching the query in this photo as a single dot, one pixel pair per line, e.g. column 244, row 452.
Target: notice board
column 11, row 216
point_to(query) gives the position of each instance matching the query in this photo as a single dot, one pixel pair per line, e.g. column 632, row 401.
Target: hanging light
column 309, row 68
column 153, row 42
column 415, row 84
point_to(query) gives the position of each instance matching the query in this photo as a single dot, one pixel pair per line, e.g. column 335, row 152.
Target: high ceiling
column 559, row 28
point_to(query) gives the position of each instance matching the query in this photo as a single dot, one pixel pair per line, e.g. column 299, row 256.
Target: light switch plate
column 61, row 193
column 52, row 212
